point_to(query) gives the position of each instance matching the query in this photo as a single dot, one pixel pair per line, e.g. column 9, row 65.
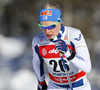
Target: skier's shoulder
column 71, row 30
column 38, row 38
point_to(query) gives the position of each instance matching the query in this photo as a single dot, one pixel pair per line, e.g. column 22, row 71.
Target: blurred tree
column 20, row 18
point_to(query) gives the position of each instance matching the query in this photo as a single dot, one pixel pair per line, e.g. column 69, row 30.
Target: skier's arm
column 38, row 67
column 82, row 57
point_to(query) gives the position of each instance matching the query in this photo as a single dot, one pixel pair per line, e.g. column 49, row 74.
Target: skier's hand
column 61, row 45
column 42, row 85
column 63, row 48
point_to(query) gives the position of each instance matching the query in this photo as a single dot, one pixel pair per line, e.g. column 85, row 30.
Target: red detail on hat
column 46, row 12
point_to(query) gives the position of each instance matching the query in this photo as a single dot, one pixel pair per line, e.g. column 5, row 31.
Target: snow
column 23, row 80
column 11, row 48
column 16, row 71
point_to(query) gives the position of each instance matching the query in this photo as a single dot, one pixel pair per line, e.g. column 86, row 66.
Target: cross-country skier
column 56, row 41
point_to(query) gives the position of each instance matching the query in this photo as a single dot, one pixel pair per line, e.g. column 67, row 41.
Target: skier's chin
column 51, row 39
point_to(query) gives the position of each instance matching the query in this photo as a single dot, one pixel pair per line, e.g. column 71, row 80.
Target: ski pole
column 65, row 68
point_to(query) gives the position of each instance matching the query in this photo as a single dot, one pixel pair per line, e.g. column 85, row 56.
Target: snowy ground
column 16, row 71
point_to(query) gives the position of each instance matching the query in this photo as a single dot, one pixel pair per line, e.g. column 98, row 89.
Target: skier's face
column 50, row 28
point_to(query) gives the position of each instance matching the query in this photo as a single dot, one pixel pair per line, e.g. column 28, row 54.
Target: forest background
column 18, row 26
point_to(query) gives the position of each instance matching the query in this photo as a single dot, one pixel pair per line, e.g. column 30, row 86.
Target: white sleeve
column 82, row 57
column 37, row 63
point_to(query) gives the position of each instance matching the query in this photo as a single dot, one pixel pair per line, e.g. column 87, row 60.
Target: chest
column 49, row 51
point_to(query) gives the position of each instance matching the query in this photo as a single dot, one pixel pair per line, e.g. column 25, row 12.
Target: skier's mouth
column 49, row 36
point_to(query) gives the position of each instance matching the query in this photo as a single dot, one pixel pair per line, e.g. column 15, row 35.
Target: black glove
column 42, row 85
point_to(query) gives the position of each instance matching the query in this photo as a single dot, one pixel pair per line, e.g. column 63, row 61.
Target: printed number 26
column 54, row 63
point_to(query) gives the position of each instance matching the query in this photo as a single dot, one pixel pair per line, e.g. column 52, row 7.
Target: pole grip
column 60, row 53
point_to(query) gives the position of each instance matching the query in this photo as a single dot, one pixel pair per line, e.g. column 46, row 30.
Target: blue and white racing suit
column 44, row 51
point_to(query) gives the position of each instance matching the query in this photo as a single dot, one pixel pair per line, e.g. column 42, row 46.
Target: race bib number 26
column 55, row 64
